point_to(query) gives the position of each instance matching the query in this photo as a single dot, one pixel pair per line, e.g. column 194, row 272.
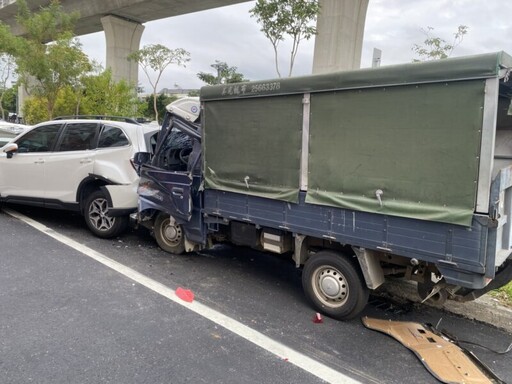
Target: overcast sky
column 229, row 34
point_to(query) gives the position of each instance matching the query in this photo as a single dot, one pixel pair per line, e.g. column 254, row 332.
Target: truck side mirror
column 141, row 158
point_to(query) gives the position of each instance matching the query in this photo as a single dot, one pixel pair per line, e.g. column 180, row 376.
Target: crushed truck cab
column 400, row 171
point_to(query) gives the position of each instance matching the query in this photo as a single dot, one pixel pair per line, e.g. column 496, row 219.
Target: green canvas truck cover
column 401, row 140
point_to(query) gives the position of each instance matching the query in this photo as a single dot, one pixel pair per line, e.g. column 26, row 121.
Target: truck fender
column 191, row 246
column 370, row 266
column 300, row 253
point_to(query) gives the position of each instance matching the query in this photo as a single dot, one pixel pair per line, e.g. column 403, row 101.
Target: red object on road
column 318, row 318
column 185, row 294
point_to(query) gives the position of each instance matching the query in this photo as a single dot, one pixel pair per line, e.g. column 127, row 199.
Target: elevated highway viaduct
column 338, row 43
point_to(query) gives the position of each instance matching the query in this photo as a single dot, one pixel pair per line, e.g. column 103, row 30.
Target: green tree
column 34, row 110
column 66, row 103
column 48, row 24
column 435, row 48
column 101, row 95
column 194, row 93
column 9, row 97
column 98, row 94
column 62, row 66
column 6, row 71
column 280, row 18
column 7, row 40
column 156, row 58
column 225, row 74
column 161, row 102
column 48, row 57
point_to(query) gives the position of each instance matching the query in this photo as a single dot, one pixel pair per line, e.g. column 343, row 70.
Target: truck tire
column 169, row 237
column 334, row 285
column 98, row 220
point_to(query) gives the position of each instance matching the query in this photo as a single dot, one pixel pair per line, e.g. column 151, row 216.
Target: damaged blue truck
column 401, row 171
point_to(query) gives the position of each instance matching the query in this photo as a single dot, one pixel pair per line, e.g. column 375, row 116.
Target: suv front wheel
column 98, row 220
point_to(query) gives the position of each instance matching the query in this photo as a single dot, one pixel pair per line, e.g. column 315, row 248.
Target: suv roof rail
column 99, row 117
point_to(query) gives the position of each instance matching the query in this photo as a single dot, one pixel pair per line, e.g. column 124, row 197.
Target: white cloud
column 229, row 34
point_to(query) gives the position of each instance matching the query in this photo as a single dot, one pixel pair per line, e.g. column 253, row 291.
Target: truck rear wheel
column 169, row 235
column 334, row 285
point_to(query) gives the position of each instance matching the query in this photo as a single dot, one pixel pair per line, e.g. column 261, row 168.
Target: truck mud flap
column 445, row 360
column 503, row 277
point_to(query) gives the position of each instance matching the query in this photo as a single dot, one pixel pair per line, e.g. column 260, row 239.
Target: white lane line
column 280, row 350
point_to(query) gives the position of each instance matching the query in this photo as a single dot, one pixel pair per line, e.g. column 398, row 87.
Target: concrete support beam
column 339, row 41
column 122, row 38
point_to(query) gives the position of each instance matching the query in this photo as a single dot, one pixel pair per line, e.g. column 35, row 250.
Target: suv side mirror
column 10, row 148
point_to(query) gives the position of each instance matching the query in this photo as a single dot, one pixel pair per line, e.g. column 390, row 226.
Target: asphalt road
column 66, row 318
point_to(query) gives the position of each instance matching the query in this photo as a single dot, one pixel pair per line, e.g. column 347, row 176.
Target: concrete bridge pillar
column 339, row 42
column 122, row 38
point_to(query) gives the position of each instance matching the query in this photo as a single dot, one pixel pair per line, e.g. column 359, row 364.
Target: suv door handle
column 86, row 161
column 39, row 161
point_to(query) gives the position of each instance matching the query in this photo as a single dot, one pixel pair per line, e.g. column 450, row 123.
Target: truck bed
column 459, row 252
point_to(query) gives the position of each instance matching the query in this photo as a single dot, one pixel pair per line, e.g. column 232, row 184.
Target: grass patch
column 504, row 294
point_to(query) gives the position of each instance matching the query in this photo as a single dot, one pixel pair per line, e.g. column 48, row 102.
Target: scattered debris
column 454, row 339
column 442, row 357
column 318, row 318
column 185, row 294
column 391, row 305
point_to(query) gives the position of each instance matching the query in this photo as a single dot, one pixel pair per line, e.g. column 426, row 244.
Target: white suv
column 84, row 165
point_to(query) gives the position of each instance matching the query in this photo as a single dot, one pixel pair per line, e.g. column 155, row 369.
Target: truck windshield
column 173, row 152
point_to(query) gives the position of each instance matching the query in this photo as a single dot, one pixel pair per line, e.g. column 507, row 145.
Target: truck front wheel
column 169, row 234
column 334, row 285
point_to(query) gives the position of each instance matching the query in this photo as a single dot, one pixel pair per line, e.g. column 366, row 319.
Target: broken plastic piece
column 441, row 356
column 185, row 294
column 318, row 318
